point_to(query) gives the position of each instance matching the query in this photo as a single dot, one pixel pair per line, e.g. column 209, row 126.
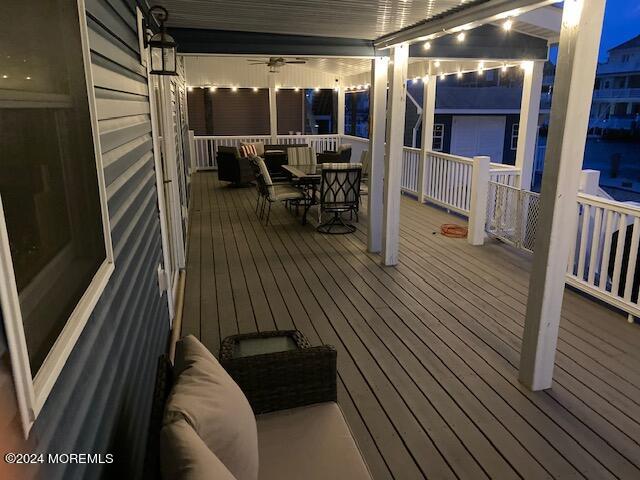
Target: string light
column 234, row 89
column 277, row 89
column 359, row 87
column 367, row 86
column 212, row 89
column 507, row 24
column 459, row 75
column 316, row 89
column 442, row 76
column 461, row 36
column 504, row 68
column 427, row 45
column 296, row 89
column 189, row 89
column 436, row 63
column 255, row 89
column 415, row 80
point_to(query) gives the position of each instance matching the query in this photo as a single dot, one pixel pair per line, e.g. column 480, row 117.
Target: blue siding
column 101, row 401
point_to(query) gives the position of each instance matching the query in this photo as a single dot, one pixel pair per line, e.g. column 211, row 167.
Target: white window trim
column 441, row 136
column 515, row 133
column 32, row 392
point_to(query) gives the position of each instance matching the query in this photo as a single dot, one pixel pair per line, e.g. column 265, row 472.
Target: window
column 515, row 129
column 626, row 58
column 320, row 109
column 55, row 246
column 356, row 114
column 438, row 137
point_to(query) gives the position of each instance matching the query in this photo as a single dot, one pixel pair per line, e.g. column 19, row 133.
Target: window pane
column 356, row 117
column 320, row 111
column 48, row 179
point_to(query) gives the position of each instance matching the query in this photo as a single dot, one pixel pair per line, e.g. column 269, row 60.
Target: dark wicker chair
column 234, row 168
column 342, row 155
column 339, row 194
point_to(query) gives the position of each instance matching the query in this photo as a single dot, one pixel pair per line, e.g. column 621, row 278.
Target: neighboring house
column 616, row 99
column 476, row 116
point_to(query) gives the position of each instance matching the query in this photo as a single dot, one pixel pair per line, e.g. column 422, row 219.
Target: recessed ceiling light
column 427, row 45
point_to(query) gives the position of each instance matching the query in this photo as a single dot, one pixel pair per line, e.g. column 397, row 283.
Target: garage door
column 478, row 135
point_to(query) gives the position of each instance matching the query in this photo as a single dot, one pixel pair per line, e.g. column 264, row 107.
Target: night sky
column 621, row 23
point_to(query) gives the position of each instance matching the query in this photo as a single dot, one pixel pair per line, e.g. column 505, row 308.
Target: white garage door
column 478, row 135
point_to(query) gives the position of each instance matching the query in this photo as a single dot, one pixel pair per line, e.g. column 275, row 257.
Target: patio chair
column 339, row 193
column 275, row 192
column 342, row 155
column 232, row 167
column 301, row 156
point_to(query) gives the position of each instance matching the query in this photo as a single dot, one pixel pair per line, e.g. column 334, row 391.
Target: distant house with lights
column 616, row 98
column 477, row 115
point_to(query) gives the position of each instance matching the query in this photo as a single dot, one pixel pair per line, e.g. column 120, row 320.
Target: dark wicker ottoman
column 300, row 375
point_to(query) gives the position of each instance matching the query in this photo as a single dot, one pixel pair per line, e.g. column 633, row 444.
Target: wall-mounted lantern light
column 163, row 46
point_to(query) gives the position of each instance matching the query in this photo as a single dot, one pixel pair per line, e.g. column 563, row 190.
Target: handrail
column 619, row 207
column 448, row 156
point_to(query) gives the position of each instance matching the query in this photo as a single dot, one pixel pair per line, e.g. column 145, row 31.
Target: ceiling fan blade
column 296, row 61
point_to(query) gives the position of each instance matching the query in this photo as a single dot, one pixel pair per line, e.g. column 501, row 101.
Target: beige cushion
column 184, row 456
column 215, row 407
column 310, row 443
column 259, row 147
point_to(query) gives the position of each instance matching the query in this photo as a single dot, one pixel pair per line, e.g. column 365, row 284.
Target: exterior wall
column 101, row 401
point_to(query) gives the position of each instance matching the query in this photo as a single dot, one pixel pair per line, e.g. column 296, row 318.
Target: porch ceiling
column 364, row 19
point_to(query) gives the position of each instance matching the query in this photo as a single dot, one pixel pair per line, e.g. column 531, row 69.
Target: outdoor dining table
column 307, row 176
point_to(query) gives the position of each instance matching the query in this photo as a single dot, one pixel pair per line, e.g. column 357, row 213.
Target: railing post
column 479, row 191
column 428, row 119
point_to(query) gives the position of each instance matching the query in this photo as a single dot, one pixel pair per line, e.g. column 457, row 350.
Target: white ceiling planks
column 364, row 19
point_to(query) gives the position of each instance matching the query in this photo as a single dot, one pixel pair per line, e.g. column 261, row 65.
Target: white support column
column 393, row 152
column 479, row 191
column 528, row 127
column 341, row 99
column 273, row 110
column 428, row 120
column 377, row 118
column 575, row 75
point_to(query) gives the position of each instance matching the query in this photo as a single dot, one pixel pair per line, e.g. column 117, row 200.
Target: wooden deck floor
column 428, row 351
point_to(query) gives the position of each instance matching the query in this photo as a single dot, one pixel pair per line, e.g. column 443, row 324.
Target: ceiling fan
column 274, row 63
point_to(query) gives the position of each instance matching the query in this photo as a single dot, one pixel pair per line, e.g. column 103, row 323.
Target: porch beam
column 575, row 75
column 377, row 118
column 468, row 17
column 486, row 41
column 398, row 63
column 428, row 120
column 224, row 42
column 528, row 124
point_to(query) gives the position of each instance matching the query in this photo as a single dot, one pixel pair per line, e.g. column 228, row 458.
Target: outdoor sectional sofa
column 203, row 425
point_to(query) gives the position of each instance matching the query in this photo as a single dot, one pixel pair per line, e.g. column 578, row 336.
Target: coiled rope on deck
column 452, row 230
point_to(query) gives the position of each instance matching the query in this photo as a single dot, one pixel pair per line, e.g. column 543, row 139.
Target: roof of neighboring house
column 480, row 98
column 633, row 43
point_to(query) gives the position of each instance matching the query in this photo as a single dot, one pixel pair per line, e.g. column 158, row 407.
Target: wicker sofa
column 203, row 423
column 232, row 167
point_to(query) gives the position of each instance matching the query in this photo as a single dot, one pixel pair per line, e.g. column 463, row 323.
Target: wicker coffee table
column 280, row 369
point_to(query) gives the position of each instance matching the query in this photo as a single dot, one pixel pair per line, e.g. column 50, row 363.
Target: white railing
column 504, row 174
column 410, row 170
column 448, row 181
column 320, row 143
column 617, row 93
column 604, row 258
column 206, row 147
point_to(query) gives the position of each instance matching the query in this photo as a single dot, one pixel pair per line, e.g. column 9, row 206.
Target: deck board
column 428, row 350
